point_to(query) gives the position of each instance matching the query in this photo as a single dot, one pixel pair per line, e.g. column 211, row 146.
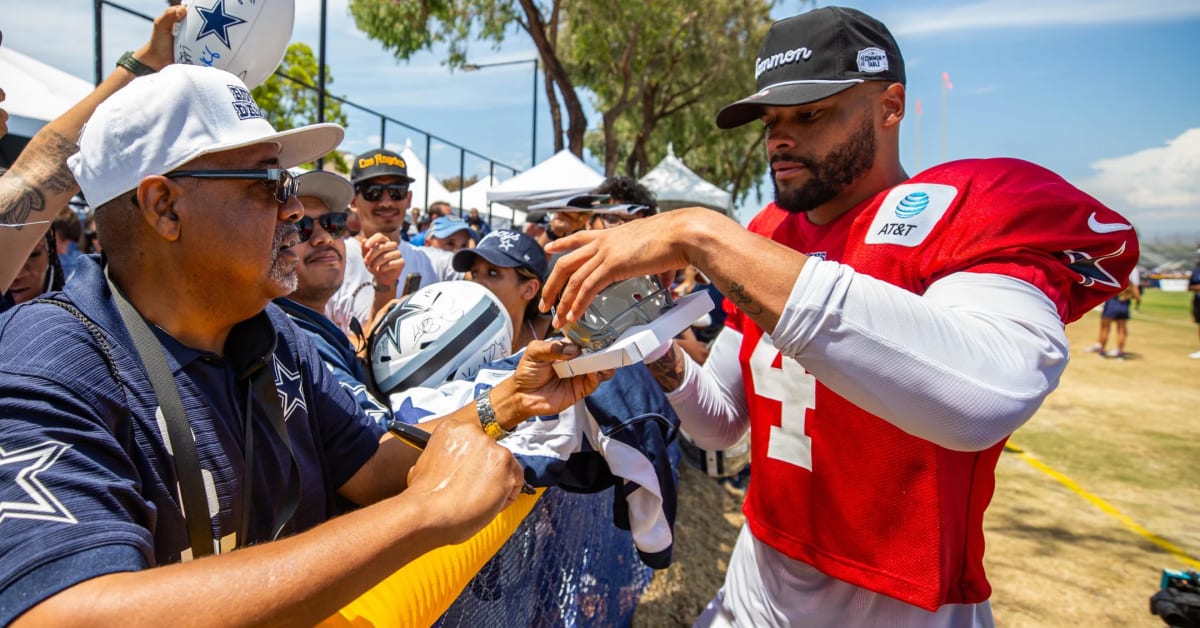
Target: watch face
column 635, row 301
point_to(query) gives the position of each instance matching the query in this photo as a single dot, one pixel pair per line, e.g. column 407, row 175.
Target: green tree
column 412, row 26
column 288, row 104
column 456, row 183
column 658, row 71
column 660, row 76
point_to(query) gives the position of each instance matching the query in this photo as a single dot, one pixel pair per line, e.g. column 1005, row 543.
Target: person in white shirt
column 378, row 261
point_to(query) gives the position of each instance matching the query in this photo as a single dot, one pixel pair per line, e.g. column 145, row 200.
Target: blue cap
column 446, row 226
column 506, row 249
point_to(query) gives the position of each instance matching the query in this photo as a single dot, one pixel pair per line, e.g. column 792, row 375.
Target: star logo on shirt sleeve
column 217, row 22
column 290, row 389
column 23, row 466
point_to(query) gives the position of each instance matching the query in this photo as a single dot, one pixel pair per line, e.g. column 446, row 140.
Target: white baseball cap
column 162, row 121
column 333, row 190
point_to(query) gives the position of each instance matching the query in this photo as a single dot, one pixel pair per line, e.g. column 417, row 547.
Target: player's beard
column 283, row 268
column 831, row 174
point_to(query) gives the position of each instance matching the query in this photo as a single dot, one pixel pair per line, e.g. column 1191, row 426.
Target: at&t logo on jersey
column 909, row 213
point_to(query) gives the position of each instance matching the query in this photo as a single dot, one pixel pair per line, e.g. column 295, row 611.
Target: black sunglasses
column 333, row 223
column 282, row 182
column 374, row 191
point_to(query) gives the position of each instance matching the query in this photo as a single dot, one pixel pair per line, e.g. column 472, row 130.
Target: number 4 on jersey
column 796, row 391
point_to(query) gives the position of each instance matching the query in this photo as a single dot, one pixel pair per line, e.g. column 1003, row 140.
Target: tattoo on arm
column 737, row 293
column 41, row 170
column 18, row 199
column 668, row 370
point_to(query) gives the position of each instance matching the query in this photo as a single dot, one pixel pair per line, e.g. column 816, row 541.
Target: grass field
column 1124, row 433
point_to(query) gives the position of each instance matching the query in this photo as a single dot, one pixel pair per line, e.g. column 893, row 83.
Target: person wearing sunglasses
column 320, row 268
column 378, row 259
column 170, row 440
column 629, row 200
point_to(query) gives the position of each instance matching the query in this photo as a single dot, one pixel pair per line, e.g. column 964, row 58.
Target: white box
column 640, row 341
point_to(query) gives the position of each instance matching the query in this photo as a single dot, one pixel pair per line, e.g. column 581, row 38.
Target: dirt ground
column 1126, row 433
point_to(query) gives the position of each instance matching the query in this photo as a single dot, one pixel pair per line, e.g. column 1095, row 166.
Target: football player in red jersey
column 886, row 334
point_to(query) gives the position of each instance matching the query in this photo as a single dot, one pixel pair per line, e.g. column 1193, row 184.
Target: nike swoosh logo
column 1106, row 227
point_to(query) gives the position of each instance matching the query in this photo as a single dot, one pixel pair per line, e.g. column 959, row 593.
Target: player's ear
column 891, row 102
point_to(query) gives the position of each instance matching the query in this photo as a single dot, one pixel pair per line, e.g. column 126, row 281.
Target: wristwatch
column 383, row 287
column 131, row 63
column 487, row 416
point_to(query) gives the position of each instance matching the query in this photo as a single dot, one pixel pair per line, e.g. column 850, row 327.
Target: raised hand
column 383, row 259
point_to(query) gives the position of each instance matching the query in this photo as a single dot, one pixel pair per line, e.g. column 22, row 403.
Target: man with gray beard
column 172, row 448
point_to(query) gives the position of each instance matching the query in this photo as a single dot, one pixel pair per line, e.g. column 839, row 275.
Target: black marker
column 410, row 434
column 419, row 439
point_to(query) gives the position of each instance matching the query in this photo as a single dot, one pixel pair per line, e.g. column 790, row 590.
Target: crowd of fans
column 889, row 333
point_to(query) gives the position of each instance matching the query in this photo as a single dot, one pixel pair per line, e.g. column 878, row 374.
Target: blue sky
column 1104, row 92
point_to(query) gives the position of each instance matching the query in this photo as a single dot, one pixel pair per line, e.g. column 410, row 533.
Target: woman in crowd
column 513, row 266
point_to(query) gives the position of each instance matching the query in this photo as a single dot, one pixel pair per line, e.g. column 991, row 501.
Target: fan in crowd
column 171, row 414
column 320, row 268
column 377, row 260
column 512, row 266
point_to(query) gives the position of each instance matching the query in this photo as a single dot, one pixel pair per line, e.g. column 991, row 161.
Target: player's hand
column 599, row 258
column 383, row 259
column 534, row 389
column 159, row 52
column 465, row 478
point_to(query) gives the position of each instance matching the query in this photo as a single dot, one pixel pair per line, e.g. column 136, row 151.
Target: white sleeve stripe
column 962, row 366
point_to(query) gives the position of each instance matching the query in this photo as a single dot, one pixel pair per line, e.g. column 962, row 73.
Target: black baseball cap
column 378, row 163
column 507, row 249
column 815, row 55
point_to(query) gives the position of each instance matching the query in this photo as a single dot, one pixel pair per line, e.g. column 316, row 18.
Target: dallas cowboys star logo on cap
column 217, row 22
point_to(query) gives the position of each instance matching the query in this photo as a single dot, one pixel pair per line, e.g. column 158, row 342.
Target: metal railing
column 384, row 119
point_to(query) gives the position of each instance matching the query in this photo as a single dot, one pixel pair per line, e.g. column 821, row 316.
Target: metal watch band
column 129, row 62
column 487, row 416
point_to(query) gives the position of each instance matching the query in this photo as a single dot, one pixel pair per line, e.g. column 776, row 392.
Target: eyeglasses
column 333, row 223
column 374, row 191
column 282, row 183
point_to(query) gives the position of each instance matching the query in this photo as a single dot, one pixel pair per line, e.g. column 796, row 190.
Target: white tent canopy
column 416, row 170
column 36, row 93
column 561, row 175
column 675, row 185
column 475, row 197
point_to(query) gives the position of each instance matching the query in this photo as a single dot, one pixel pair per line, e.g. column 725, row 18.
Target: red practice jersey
column 847, row 492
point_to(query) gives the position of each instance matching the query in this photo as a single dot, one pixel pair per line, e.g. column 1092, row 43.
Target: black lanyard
column 182, row 444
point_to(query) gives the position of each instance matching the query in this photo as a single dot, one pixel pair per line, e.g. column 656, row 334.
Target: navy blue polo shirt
column 87, row 485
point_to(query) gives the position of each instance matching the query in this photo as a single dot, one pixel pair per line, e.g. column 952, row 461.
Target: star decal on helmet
column 217, row 22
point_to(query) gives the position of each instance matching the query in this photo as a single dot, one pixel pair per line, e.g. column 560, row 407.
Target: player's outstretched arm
column 755, row 273
column 39, row 183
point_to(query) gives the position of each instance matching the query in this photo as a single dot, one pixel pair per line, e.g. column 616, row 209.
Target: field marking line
column 1162, row 543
